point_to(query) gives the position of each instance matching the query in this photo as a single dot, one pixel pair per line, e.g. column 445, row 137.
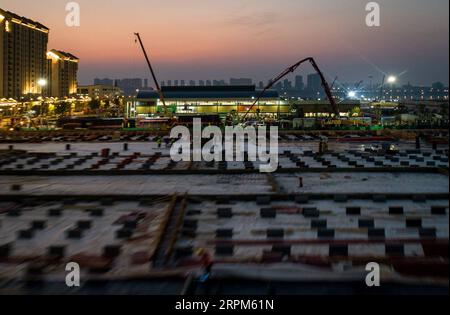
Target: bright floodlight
column 351, row 94
column 42, row 82
column 392, row 79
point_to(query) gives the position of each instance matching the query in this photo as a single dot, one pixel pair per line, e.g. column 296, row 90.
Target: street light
column 42, row 82
column 351, row 94
column 392, row 79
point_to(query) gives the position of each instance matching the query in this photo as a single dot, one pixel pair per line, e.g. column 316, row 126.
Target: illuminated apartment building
column 100, row 91
column 62, row 74
column 23, row 48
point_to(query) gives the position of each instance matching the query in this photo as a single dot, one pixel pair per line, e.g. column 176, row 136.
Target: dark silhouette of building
column 104, row 81
column 299, row 84
column 241, row 81
column 129, row 86
column 314, row 85
column 287, row 85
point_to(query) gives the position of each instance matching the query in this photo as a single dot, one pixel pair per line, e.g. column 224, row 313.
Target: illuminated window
column 7, row 27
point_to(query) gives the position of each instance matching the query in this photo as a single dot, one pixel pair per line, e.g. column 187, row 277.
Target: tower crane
column 291, row 69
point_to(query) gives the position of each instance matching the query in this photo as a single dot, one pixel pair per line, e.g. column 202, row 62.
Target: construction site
column 137, row 222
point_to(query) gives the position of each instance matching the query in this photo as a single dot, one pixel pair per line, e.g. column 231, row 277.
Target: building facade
column 322, row 109
column 314, row 84
column 207, row 100
column 129, row 86
column 299, row 84
column 23, row 60
column 393, row 93
column 241, row 81
column 102, row 92
column 104, row 81
column 62, row 74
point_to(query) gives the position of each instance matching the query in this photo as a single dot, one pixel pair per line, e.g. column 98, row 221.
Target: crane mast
column 158, row 88
column 334, row 81
column 291, row 69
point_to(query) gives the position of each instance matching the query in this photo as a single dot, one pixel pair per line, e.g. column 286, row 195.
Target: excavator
column 291, row 69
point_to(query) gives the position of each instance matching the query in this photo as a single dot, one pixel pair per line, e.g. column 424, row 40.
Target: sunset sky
column 212, row 39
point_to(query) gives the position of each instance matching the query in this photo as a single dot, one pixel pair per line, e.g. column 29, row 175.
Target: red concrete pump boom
column 291, row 69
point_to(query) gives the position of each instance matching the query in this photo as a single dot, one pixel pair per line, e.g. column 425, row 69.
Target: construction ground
column 139, row 223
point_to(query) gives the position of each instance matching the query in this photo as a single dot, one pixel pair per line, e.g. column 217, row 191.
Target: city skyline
column 256, row 151
column 230, row 45
column 308, row 88
column 147, row 83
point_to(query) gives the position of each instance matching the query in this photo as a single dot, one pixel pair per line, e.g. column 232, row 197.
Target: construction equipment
column 160, row 93
column 358, row 84
column 382, row 86
column 334, row 81
column 291, row 69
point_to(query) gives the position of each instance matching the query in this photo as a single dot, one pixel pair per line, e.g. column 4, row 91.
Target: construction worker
column 325, row 146
column 206, row 263
column 159, row 142
column 418, row 142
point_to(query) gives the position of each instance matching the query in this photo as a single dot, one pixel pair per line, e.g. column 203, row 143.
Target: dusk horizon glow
column 255, row 39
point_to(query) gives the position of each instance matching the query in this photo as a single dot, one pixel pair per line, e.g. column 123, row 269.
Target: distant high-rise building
column 163, row 83
column 100, row 91
column 438, row 85
column 169, row 82
column 279, row 86
column 192, row 83
column 175, row 83
column 129, row 86
column 299, row 84
column 287, row 85
column 104, row 82
column 208, row 82
column 23, row 55
column 201, row 83
column 314, row 84
column 61, row 74
column 145, row 83
column 261, row 85
column 183, row 83
column 241, row 81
